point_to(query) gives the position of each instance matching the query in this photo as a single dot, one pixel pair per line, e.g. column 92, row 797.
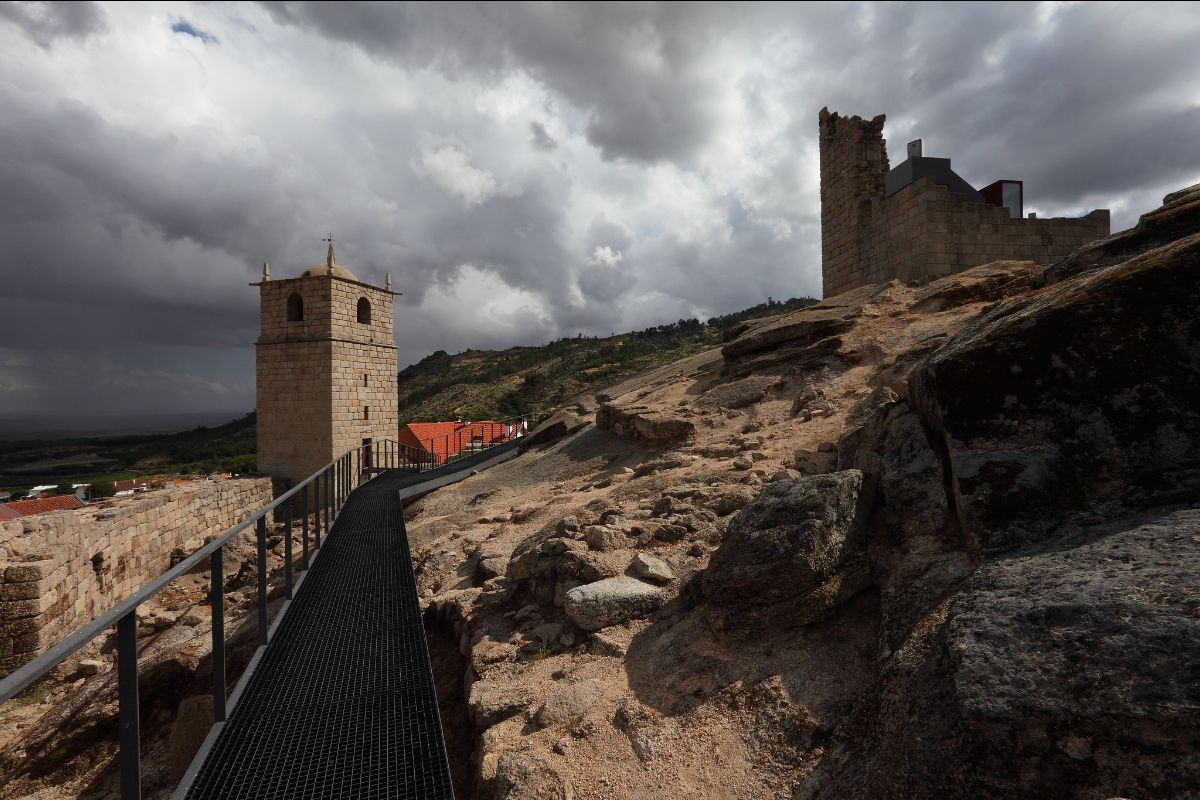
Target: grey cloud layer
column 44, row 23
column 598, row 166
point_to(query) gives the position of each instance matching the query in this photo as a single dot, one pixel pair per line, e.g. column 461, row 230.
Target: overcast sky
column 524, row 172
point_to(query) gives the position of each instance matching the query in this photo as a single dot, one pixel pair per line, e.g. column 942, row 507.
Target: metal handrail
column 331, row 483
column 424, row 459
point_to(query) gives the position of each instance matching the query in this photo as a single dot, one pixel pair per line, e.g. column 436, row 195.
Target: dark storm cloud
column 46, row 22
column 524, row 171
column 637, row 70
column 1085, row 100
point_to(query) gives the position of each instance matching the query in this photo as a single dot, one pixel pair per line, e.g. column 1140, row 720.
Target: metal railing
column 328, row 488
column 475, row 437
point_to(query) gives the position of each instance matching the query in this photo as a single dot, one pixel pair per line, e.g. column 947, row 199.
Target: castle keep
column 920, row 219
column 326, row 369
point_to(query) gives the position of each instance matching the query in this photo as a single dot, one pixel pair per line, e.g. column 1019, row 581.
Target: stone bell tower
column 325, row 367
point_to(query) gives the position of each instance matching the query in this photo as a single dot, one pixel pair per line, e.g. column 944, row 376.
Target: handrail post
column 261, row 530
column 287, row 551
column 217, row 599
column 304, row 525
column 316, row 485
column 127, row 694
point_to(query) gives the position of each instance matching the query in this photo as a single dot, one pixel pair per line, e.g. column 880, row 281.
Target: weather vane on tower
column 329, row 258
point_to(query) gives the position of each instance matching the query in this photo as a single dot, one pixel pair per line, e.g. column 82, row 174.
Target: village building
column 131, row 486
column 437, row 442
column 39, row 505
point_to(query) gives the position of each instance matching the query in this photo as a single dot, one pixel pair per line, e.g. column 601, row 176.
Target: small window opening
column 366, row 412
column 364, row 311
column 364, row 380
column 295, row 308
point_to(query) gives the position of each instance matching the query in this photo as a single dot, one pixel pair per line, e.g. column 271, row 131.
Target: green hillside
column 228, row 448
column 533, row 381
column 475, row 384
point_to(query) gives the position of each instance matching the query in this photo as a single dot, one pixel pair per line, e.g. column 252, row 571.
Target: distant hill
column 229, row 447
column 475, row 384
column 533, row 381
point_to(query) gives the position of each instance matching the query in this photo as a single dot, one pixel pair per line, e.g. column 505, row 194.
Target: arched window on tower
column 364, row 311
column 295, row 308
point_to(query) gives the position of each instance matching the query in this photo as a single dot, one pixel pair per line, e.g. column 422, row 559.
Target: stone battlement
column 933, row 225
column 61, row 570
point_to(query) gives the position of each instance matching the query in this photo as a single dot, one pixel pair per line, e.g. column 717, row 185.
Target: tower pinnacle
column 330, row 258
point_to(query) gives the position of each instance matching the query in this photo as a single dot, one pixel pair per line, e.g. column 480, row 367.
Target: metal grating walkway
column 342, row 704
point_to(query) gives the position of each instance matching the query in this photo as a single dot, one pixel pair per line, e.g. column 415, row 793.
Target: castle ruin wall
column 61, row 570
column 924, row 230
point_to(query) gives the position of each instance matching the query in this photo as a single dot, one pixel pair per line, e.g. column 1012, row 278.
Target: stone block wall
column 295, row 407
column 923, row 230
column 364, row 377
column 326, row 383
column 59, row 571
column 853, row 162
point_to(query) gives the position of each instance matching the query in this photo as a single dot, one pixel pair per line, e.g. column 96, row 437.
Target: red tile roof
column 445, row 439
column 41, row 505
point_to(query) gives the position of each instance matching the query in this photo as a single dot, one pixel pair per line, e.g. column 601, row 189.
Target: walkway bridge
column 338, row 701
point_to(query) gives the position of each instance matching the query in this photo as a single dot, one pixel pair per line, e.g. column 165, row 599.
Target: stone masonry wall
column 853, row 162
column 326, row 383
column 59, row 571
column 923, row 230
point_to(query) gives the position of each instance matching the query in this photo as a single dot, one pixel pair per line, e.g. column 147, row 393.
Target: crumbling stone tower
column 853, row 164
column 919, row 220
column 325, row 366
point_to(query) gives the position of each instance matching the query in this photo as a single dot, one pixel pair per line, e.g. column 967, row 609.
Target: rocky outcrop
column 1080, row 397
column 1031, row 553
column 1081, row 668
column 1176, row 218
column 652, row 569
column 982, row 587
column 989, row 282
column 1060, row 671
column 798, row 329
column 610, row 602
column 740, row 393
column 567, row 705
column 793, row 537
column 641, row 422
column 560, row 424
column 803, row 339
column 522, row 776
column 547, row 566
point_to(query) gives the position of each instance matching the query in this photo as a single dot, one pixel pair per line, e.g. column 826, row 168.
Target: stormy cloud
column 523, row 171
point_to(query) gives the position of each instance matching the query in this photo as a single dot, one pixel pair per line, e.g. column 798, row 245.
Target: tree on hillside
column 101, row 489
